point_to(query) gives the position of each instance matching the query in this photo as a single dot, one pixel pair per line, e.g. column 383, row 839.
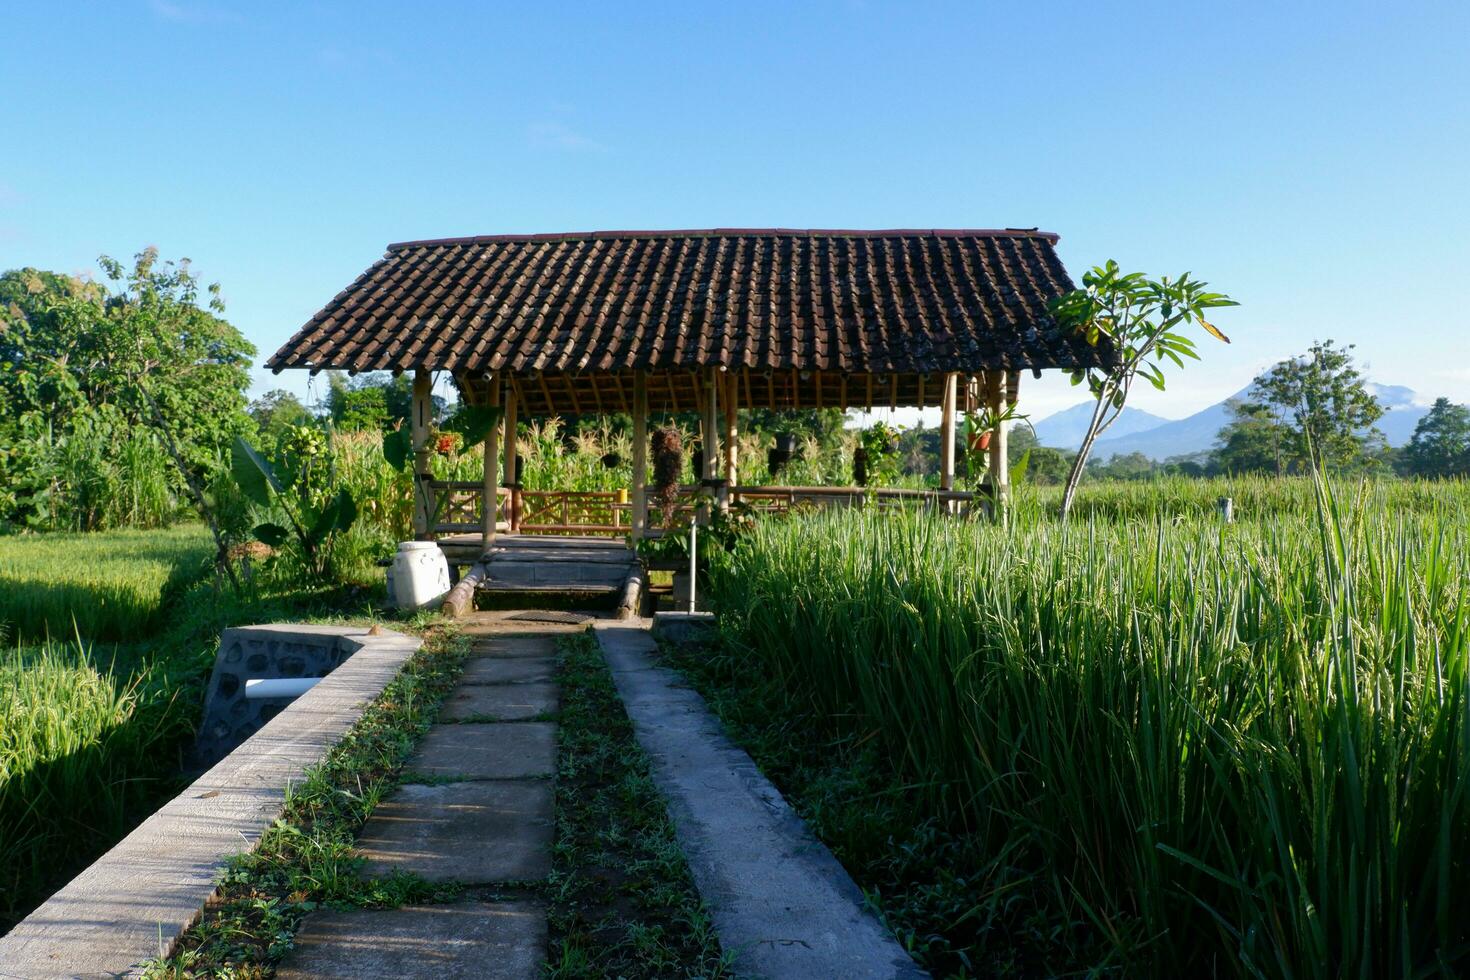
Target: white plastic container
column 419, row 575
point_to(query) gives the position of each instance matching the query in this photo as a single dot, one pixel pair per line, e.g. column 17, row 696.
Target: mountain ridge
column 1198, row 432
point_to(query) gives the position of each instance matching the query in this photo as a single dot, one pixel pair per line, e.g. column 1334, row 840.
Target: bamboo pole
column 1000, row 475
column 946, row 433
column 512, row 406
column 640, row 455
column 732, row 451
column 422, row 416
column 491, row 487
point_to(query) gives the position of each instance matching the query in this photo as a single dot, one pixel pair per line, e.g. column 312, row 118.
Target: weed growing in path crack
column 621, row 899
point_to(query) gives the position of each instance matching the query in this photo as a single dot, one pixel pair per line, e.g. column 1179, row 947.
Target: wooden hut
column 713, row 320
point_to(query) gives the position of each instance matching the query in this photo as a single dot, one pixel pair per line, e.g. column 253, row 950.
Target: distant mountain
column 1067, row 427
column 1137, row 431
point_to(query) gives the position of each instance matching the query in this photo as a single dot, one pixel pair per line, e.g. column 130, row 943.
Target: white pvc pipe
column 260, row 688
column 693, row 568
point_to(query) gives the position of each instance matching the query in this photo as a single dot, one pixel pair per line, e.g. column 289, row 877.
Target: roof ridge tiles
column 1050, row 236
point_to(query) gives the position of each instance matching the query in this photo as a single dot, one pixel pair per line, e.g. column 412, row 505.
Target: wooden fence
column 458, row 506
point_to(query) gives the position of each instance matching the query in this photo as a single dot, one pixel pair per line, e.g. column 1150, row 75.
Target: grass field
column 109, row 586
column 1152, row 746
column 91, row 731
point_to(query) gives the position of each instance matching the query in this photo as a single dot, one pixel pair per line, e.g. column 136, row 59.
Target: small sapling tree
column 1137, row 320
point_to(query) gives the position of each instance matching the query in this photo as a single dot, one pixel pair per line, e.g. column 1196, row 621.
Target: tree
column 276, row 413
column 1324, row 404
column 1134, row 322
column 1044, row 465
column 372, row 401
column 88, row 363
column 1440, row 446
column 1253, row 441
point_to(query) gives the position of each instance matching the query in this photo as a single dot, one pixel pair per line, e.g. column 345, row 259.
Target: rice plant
column 82, row 755
column 1227, row 750
column 104, row 586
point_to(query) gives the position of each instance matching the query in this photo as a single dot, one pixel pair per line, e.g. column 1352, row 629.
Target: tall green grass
column 105, row 586
column 1237, row 750
column 83, row 755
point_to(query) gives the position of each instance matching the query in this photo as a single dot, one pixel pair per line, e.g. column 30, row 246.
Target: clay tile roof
column 913, row 301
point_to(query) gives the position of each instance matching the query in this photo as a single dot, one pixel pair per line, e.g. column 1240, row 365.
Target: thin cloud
column 552, row 135
column 193, row 13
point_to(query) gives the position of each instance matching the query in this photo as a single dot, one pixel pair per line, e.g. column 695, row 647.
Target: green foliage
column 1441, row 443
column 1135, row 323
column 105, row 586
column 1322, row 409
column 303, row 488
column 372, row 401
column 277, row 412
column 100, row 386
column 82, row 756
column 1172, row 749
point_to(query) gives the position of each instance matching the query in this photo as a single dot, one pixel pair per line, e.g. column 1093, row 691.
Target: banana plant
column 301, row 492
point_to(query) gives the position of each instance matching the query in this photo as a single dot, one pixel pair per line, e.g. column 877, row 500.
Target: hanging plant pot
column 611, row 460
column 786, row 443
column 979, row 442
column 696, row 458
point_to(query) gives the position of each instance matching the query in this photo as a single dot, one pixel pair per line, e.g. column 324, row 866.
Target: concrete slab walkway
column 477, row 808
column 781, row 902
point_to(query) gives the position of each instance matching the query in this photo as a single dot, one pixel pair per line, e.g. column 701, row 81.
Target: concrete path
column 780, row 901
column 477, row 808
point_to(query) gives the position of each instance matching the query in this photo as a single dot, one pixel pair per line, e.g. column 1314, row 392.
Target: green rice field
column 108, row 586
column 1143, row 743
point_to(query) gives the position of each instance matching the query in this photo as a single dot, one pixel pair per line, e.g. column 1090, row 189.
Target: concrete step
column 465, row 941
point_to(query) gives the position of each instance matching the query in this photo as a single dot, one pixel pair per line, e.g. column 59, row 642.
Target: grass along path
column 306, row 860
column 621, row 900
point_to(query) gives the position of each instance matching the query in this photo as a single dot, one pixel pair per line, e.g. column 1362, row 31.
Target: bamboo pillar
column 709, row 437
column 1000, row 468
column 732, row 451
column 422, row 416
column 492, row 470
column 640, row 455
column 946, row 432
column 513, row 518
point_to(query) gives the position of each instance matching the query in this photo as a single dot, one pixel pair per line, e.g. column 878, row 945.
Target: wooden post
column 946, row 433
column 709, row 437
column 732, row 451
column 513, row 519
column 640, row 455
column 422, row 416
column 1000, row 468
column 492, row 470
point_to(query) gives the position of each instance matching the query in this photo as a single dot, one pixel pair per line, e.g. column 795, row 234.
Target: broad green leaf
column 252, row 472
column 398, row 447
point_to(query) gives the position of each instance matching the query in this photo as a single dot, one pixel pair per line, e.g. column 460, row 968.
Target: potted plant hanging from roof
column 668, row 465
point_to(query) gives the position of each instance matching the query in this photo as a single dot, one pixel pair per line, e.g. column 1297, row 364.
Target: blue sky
column 1308, row 158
